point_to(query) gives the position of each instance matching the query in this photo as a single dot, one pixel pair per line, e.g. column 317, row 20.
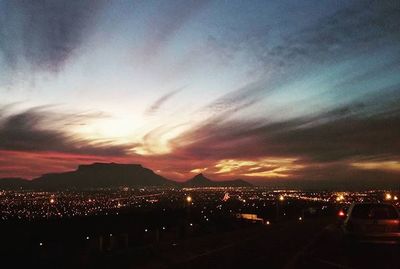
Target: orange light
column 341, row 213
column 52, row 201
column 189, row 199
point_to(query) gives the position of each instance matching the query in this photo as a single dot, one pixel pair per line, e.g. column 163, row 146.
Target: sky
column 291, row 91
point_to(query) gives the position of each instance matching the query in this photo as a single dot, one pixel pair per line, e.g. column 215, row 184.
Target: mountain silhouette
column 110, row 175
column 102, row 175
column 13, row 183
column 201, row 181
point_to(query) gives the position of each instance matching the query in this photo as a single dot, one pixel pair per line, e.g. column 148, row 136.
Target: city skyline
column 262, row 91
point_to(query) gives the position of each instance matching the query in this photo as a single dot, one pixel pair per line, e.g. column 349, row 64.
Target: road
column 330, row 250
column 313, row 243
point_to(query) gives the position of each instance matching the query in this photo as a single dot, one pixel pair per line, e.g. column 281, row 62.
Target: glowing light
column 87, row 237
column 40, row 244
column 52, row 201
column 268, row 223
column 341, row 213
column 381, row 165
column 189, row 199
column 388, row 196
column 300, row 218
column 277, row 167
column 340, row 198
column 395, row 198
column 281, row 198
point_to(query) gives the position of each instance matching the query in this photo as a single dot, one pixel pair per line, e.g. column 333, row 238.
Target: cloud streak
column 44, row 34
column 39, row 129
column 153, row 108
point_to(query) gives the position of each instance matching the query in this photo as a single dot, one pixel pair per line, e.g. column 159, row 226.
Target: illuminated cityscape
column 33, row 205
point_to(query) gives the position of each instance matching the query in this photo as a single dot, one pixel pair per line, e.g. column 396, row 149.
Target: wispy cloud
column 40, row 129
column 153, row 108
column 44, row 34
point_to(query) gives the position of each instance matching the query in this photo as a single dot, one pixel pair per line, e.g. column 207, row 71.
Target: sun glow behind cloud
column 234, row 89
column 262, row 168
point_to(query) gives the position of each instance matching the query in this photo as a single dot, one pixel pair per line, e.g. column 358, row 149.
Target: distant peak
column 200, row 177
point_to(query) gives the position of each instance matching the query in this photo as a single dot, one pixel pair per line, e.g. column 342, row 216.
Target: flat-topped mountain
column 110, row 175
column 102, row 175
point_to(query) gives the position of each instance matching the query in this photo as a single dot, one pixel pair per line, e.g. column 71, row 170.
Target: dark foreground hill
column 109, row 175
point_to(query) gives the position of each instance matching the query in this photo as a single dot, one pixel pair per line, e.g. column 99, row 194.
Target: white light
column 268, row 223
column 87, row 237
column 163, row 228
column 110, row 235
column 145, row 230
column 300, row 218
column 40, row 244
column 191, row 224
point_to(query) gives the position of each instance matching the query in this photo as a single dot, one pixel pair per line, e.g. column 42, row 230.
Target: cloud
column 153, row 108
column 341, row 134
column 359, row 27
column 44, row 34
column 39, row 129
column 165, row 21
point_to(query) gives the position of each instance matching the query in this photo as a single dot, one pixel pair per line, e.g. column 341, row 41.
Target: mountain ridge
column 110, row 175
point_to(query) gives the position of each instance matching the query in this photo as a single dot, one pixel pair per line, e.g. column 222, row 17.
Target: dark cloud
column 340, row 134
column 359, row 27
column 31, row 130
column 44, row 33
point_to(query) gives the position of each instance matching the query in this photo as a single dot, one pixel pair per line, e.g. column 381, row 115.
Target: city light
column 340, row 198
column 189, row 199
column 341, row 213
column 388, row 196
column 281, row 198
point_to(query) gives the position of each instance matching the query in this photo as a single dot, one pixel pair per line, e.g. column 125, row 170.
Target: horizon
column 272, row 184
column 303, row 92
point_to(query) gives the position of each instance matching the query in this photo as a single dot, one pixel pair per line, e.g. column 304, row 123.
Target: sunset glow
column 235, row 90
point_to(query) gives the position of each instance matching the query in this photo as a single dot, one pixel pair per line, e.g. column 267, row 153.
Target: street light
column 281, row 198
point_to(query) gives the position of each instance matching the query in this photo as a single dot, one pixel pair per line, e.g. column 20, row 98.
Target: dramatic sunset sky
column 260, row 90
